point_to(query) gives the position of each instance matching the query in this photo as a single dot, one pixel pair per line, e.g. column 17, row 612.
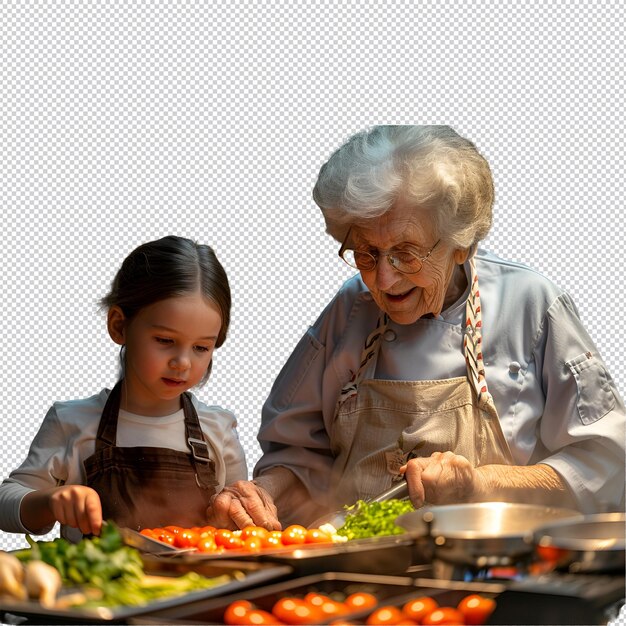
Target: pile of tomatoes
column 315, row 608
column 250, row 539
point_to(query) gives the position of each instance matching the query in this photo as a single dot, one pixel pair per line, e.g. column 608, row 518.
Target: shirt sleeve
column 43, row 468
column 582, row 427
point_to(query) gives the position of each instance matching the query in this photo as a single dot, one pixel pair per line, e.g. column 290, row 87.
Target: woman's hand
column 72, row 505
column 242, row 504
column 441, row 478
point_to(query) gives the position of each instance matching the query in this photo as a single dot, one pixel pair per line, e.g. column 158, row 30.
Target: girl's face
column 169, row 345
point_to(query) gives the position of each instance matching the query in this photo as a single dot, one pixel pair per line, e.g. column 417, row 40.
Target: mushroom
column 11, row 576
column 42, row 582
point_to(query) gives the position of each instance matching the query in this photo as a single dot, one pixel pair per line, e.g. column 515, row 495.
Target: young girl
column 146, row 453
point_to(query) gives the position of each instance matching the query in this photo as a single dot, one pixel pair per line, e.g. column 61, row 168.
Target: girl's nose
column 180, row 362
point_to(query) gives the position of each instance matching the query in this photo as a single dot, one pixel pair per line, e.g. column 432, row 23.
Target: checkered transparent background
column 122, row 122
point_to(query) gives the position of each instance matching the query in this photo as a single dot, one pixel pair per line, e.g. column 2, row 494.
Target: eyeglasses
column 404, row 261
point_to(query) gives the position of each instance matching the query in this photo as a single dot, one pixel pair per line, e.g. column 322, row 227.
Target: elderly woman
column 471, row 376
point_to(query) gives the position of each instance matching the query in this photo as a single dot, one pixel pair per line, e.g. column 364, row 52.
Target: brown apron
column 149, row 487
column 380, row 424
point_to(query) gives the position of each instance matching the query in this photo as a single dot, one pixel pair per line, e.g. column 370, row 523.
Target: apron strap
column 472, row 340
column 203, row 464
column 369, row 350
column 107, row 429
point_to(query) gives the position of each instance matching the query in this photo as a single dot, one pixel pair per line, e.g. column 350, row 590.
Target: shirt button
column 514, row 367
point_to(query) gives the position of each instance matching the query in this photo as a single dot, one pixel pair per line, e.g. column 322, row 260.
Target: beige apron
column 380, row 424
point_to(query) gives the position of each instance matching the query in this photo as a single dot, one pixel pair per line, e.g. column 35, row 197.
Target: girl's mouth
column 172, row 382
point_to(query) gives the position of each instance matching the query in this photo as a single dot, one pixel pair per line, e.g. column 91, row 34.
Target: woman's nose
column 386, row 274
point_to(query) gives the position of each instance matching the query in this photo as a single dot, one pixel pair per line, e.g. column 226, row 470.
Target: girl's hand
column 73, row 505
column 242, row 504
column 441, row 478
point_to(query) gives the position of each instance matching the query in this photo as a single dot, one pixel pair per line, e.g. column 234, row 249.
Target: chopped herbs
column 373, row 519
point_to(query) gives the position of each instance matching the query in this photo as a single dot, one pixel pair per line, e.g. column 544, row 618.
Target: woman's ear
column 116, row 325
column 461, row 255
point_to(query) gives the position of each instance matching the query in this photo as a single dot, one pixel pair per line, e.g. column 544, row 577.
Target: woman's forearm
column 533, row 484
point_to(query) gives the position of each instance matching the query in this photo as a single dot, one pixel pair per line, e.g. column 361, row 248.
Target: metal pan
column 595, row 543
column 483, row 534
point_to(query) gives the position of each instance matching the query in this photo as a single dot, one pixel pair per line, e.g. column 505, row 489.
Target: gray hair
column 432, row 167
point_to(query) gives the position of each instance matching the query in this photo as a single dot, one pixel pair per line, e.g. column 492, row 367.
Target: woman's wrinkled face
column 405, row 297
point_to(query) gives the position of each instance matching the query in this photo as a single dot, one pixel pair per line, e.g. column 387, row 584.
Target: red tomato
column 234, row 542
column 418, row 608
column 207, row 530
column 187, row 538
column 361, row 600
column 174, row 529
column 236, row 611
column 296, row 611
column 222, row 535
column 207, row 544
column 444, row 615
column 147, row 532
column 254, row 531
column 315, row 535
column 274, row 539
column 164, row 535
column 385, row 615
column 252, row 544
column 294, row 535
column 476, row 609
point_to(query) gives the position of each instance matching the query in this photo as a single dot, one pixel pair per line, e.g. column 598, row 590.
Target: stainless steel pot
column 484, row 534
column 595, row 543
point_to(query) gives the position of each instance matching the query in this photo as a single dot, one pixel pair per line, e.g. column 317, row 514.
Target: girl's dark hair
column 167, row 268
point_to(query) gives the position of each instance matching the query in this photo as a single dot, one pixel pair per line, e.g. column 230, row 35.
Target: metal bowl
column 595, row 543
column 483, row 534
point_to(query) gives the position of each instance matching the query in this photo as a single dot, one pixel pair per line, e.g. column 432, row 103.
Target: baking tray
column 390, row 555
column 389, row 590
column 243, row 576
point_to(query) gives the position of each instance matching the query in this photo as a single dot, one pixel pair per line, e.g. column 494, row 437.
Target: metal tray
column 243, row 576
column 375, row 555
column 389, row 590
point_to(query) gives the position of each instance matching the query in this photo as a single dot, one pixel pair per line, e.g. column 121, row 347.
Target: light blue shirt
column 557, row 403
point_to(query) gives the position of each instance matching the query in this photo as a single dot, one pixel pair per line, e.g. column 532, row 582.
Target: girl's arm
column 71, row 505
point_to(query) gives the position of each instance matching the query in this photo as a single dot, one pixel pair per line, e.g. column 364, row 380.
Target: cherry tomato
column 444, row 615
column 385, row 615
column 294, row 535
column 207, row 530
column 254, row 531
column 174, row 529
column 187, row 538
column 315, row 535
column 207, row 544
column 296, row 611
column 234, row 542
column 274, row 539
column 252, row 544
column 164, row 535
column 418, row 608
column 361, row 600
column 327, row 606
column 476, row 609
column 222, row 535
column 148, row 532
column 236, row 611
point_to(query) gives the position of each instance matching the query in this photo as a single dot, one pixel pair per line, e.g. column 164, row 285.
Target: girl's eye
column 164, row 340
column 202, row 349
